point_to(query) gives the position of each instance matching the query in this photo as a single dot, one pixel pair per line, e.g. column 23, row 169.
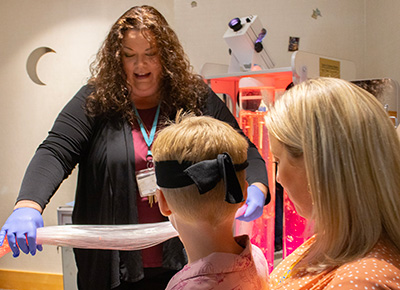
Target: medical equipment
column 244, row 38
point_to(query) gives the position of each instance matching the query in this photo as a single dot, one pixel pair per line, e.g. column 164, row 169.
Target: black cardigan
column 106, row 187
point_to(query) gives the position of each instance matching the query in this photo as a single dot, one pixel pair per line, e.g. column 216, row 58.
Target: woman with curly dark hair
column 178, row 87
column 140, row 79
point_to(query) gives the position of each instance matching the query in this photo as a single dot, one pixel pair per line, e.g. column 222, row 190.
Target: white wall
column 338, row 33
column 382, row 39
column 363, row 31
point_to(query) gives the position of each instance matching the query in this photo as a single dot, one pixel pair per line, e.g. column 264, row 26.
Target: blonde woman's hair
column 352, row 158
column 196, row 139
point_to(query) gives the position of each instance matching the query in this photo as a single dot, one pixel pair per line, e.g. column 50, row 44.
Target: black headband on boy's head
column 205, row 174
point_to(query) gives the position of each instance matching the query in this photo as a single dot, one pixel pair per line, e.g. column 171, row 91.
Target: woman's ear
column 162, row 203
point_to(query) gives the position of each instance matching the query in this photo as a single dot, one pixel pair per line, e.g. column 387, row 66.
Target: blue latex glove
column 20, row 229
column 255, row 203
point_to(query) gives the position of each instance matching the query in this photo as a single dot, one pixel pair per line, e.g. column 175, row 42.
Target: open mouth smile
column 142, row 76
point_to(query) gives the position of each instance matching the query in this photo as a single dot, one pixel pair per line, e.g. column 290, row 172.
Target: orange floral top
column 379, row 269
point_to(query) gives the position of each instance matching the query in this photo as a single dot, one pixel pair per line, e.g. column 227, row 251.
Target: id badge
column 146, row 181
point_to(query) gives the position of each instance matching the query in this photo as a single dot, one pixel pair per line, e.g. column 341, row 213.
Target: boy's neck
column 201, row 240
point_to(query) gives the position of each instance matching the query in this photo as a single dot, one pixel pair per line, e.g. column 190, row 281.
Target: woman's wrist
column 28, row 203
column 261, row 187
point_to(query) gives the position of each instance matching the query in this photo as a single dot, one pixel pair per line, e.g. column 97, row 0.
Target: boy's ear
column 162, row 203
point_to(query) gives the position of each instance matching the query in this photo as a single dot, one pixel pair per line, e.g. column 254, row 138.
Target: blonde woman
column 338, row 157
column 199, row 164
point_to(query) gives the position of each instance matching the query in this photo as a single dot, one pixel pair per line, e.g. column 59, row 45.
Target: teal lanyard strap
column 148, row 139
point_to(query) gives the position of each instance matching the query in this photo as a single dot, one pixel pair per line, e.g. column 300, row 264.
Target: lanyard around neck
column 148, row 138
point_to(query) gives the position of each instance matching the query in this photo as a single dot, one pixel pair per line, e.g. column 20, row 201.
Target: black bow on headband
column 205, row 174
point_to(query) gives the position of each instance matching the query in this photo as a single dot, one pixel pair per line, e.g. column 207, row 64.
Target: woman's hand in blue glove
column 253, row 208
column 20, row 229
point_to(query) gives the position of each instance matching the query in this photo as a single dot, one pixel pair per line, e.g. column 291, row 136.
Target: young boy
column 199, row 164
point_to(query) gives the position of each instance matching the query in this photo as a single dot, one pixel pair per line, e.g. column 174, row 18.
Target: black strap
column 205, row 174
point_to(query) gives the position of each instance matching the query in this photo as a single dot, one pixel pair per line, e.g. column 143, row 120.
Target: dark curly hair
column 180, row 87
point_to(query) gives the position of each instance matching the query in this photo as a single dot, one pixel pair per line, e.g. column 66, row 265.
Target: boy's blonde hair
column 195, row 139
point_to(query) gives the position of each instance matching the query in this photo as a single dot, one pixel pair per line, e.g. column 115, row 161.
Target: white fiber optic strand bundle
column 107, row 237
